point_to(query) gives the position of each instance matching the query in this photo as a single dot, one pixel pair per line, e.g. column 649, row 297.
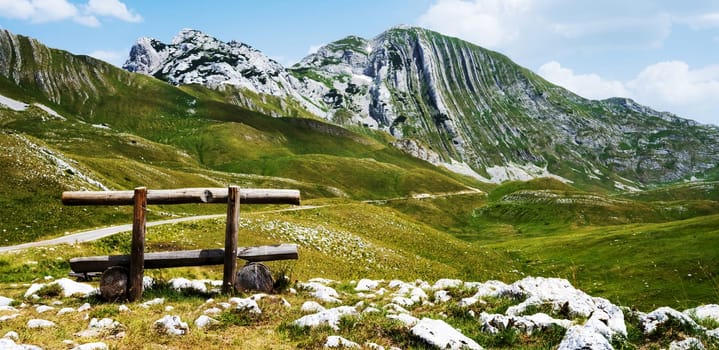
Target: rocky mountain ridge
column 455, row 104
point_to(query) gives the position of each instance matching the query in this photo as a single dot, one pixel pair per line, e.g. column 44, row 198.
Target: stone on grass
column 65, row 310
column 246, row 304
column 114, row 284
column 335, row 341
column 11, row 335
column 212, row 311
column 44, row 308
column 156, row 301
column 495, row 323
column 171, row 325
column 321, row 292
column 5, row 301
column 366, row 285
column 92, row 346
column 442, row 296
column 101, row 328
column 714, row 333
column 205, row 321
column 438, row 333
column 407, row 319
column 704, row 312
column 84, row 307
column 584, row 337
column 9, row 344
column 123, row 308
column 9, row 317
column 330, row 317
column 687, row 344
column 40, row 323
column 402, row 301
column 445, row 283
column 649, row 322
column 254, row 277
column 69, row 288
column 312, row 307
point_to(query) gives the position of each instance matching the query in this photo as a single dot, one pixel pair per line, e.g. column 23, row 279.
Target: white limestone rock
column 11, row 335
column 312, row 307
column 44, row 308
column 494, row 323
column 584, row 337
column 687, row 344
column 438, row 333
column 5, row 301
column 246, row 305
column 335, row 341
column 330, row 317
column 446, row 283
column 205, row 321
column 321, row 292
column 40, row 323
column 171, row 325
column 704, row 312
column 92, row 346
column 69, row 288
column 407, row 319
column 156, row 301
column 649, row 322
column 65, row 310
column 99, row 328
column 366, row 285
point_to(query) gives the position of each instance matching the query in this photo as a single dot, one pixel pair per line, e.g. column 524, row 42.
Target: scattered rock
column 312, row 307
column 687, row 344
column 442, row 296
column 438, row 333
column 92, row 346
column 584, row 337
column 39, row 323
column 321, row 292
column 114, row 284
column 11, row 335
column 704, row 312
column 494, row 323
column 9, row 317
column 212, row 311
column 101, row 328
column 246, row 305
column 44, row 308
column 69, row 288
column 171, row 325
column 330, row 317
column 123, row 308
column 205, row 321
column 156, row 301
column 65, row 310
column 649, row 322
column 366, row 285
column 407, row 319
column 446, row 283
column 254, row 276
column 84, row 307
column 335, row 341
column 4, row 301
column 196, row 285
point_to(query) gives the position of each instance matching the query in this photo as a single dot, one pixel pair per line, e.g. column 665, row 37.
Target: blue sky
column 664, row 54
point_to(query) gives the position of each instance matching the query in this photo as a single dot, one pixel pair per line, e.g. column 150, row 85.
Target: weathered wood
column 181, row 196
column 181, row 258
column 137, row 249
column 231, row 230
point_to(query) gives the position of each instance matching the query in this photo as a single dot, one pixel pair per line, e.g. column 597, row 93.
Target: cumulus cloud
column 114, row 57
column 672, row 86
column 41, row 11
column 485, row 22
column 586, row 85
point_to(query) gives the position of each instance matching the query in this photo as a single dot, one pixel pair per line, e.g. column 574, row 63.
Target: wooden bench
column 138, row 260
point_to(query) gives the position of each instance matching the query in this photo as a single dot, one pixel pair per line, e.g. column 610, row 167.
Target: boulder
column 254, row 277
column 114, row 284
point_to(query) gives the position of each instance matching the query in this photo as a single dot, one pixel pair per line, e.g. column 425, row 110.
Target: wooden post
column 233, row 211
column 137, row 252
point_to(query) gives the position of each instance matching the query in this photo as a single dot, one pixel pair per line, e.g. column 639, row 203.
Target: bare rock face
column 255, row 277
column 113, row 284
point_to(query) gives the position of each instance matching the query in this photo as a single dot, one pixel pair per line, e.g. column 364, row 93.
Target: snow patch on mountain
column 15, row 105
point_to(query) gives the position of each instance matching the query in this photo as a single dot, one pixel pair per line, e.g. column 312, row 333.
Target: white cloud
column 706, row 20
column 671, row 86
column 485, row 22
column 112, row 8
column 40, row 11
column 116, row 58
column 586, row 85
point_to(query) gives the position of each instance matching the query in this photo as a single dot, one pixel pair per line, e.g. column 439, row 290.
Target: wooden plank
column 182, row 195
column 229, row 271
column 137, row 249
column 181, row 258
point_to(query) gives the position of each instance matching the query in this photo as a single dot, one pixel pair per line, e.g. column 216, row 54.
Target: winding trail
column 91, row 235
